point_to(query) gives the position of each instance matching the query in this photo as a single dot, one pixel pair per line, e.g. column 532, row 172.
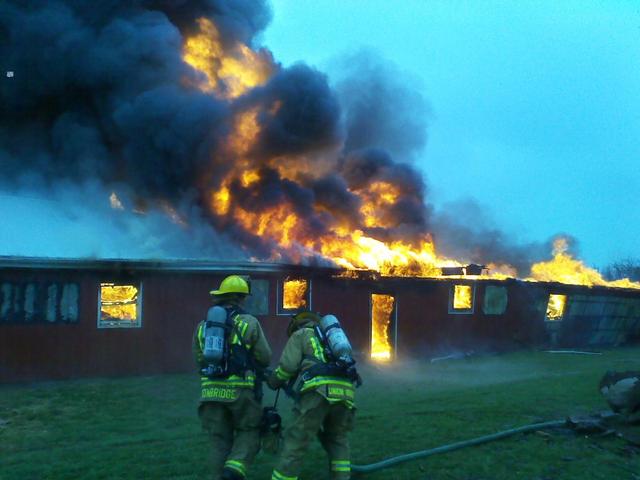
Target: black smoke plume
column 101, row 96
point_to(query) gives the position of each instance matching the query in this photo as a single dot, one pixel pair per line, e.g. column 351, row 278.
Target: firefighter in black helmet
column 230, row 409
column 324, row 404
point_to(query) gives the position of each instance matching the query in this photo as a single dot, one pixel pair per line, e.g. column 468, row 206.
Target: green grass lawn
column 146, row 427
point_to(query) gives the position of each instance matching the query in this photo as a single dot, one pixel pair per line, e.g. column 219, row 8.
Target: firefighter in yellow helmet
column 324, row 392
column 231, row 350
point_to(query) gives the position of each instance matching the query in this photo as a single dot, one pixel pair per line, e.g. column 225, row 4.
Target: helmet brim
column 220, row 292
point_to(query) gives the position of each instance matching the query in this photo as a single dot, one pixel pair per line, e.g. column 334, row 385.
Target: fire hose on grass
column 389, row 462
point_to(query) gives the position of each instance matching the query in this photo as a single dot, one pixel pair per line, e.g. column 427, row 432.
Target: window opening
column 461, row 298
column 258, row 302
column 556, row 306
column 119, row 305
column 295, row 295
column 495, row 300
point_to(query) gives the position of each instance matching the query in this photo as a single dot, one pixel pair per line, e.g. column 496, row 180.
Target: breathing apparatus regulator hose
column 389, row 462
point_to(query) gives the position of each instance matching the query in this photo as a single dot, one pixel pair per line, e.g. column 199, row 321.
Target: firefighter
column 230, row 408
column 324, row 401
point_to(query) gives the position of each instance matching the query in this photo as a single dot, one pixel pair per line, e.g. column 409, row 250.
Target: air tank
column 213, row 350
column 336, row 338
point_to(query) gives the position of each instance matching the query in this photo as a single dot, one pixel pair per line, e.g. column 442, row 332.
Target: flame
column 358, row 251
column 249, row 177
column 232, row 70
column 221, row 200
column 563, row 268
column 118, row 302
column 378, row 195
column 381, row 310
column 555, row 306
column 462, row 297
column 229, row 70
column 294, row 294
column 244, row 134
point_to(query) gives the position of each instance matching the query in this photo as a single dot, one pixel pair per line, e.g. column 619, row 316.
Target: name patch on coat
column 219, row 393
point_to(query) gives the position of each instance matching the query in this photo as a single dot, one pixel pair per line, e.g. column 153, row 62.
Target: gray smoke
column 381, row 109
column 463, row 229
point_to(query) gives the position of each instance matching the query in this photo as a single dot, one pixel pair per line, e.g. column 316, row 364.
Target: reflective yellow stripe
column 276, row 475
column 236, row 466
column 318, row 381
column 201, row 336
column 340, row 465
column 318, row 352
column 282, row 375
column 228, row 384
column 340, row 391
column 241, row 326
column 232, row 381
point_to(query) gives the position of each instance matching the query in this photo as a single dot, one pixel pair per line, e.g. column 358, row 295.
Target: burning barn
column 170, row 134
column 68, row 318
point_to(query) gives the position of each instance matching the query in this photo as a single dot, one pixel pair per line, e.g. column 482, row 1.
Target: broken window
column 495, row 300
column 51, row 311
column 5, row 301
column 555, row 307
column 295, row 295
column 37, row 302
column 258, row 302
column 69, row 303
column 30, row 301
column 383, row 311
column 461, row 299
column 120, row 306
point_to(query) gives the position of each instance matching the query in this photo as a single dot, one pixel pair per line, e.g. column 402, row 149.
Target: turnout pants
column 233, row 428
column 331, row 423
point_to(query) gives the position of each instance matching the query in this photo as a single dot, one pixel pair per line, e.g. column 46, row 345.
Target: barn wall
column 173, row 302
column 172, row 305
column 427, row 326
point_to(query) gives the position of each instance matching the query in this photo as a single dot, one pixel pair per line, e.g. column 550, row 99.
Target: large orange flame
column 563, row 268
column 229, row 71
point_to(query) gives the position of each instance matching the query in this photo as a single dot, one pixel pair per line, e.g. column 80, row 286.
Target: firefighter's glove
column 273, row 381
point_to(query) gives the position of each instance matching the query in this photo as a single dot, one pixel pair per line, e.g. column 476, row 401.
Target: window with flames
column 461, row 298
column 120, row 306
column 295, row 295
column 555, row 307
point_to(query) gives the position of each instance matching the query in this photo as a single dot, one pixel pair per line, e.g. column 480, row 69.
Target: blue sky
column 535, row 106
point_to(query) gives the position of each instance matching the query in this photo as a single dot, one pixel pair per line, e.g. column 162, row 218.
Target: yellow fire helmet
column 300, row 319
column 233, row 284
